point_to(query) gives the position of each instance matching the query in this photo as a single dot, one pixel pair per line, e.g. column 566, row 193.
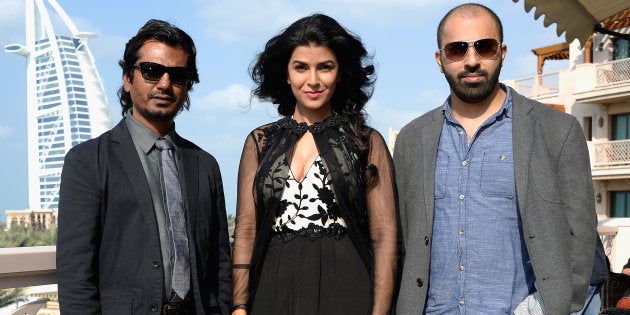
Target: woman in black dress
column 316, row 227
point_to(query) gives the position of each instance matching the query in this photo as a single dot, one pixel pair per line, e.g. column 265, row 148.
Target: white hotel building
column 66, row 101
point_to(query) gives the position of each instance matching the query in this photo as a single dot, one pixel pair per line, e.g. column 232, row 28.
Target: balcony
column 610, row 159
column 606, row 82
column 537, row 87
column 614, row 72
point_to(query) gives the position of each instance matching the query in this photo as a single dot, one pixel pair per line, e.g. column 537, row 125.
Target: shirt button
column 461, row 232
column 461, row 302
column 465, row 163
column 154, row 308
column 155, row 264
column 461, row 197
column 426, row 240
column 419, row 282
column 461, row 267
column 461, row 132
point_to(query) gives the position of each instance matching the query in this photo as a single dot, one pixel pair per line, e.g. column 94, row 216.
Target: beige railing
column 611, row 153
column 540, row 85
column 613, row 72
column 27, row 266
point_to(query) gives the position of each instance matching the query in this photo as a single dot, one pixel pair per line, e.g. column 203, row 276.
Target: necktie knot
column 163, row 144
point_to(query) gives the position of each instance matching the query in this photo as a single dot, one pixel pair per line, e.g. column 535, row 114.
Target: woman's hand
column 239, row 311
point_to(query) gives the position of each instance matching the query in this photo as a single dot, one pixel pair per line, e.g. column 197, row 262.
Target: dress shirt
column 479, row 262
column 144, row 141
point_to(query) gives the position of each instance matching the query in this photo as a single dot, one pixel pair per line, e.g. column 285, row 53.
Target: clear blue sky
column 228, row 34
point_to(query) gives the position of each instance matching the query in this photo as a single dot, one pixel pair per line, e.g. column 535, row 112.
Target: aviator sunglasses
column 152, row 71
column 485, row 48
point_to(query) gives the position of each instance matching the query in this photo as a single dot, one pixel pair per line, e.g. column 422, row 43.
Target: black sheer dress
column 327, row 244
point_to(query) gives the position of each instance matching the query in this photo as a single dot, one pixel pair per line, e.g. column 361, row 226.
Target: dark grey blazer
column 108, row 247
column 554, row 192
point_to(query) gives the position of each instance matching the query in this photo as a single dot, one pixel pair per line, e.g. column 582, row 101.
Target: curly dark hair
column 166, row 33
column 356, row 70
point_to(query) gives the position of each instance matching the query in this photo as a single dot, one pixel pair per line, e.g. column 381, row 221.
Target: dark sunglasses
column 152, row 71
column 486, row 48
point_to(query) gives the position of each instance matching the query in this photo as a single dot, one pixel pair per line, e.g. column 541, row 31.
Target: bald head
column 469, row 10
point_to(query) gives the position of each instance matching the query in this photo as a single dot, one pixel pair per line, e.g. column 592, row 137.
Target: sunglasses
column 153, row 72
column 485, row 48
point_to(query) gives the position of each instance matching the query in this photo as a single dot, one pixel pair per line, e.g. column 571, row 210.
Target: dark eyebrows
column 325, row 62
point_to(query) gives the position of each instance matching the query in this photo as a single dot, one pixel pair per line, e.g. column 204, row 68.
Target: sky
column 400, row 34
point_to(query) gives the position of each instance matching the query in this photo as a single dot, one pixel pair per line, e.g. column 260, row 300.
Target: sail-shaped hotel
column 66, row 101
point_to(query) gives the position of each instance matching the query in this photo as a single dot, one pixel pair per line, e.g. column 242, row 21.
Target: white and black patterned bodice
column 308, row 208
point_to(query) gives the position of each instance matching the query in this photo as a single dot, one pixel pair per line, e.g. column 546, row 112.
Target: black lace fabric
column 370, row 211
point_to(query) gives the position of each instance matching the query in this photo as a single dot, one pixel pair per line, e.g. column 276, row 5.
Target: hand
column 239, row 311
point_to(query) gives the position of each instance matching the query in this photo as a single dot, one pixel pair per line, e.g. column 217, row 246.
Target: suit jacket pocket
column 117, row 306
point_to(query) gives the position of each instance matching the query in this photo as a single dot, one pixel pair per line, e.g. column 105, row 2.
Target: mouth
column 313, row 94
column 161, row 96
column 162, row 100
column 473, row 77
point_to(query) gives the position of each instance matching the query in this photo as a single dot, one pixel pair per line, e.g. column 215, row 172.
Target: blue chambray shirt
column 479, row 262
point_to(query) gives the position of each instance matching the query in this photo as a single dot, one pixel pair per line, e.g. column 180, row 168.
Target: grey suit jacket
column 108, row 247
column 554, row 192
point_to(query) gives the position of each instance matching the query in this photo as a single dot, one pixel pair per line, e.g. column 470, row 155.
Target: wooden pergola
column 553, row 52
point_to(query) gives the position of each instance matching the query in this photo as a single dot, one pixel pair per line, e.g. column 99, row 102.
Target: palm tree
column 22, row 236
column 10, row 296
column 231, row 223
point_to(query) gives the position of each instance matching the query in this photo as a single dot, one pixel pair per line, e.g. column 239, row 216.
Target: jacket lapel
column 522, row 140
column 430, row 141
column 124, row 149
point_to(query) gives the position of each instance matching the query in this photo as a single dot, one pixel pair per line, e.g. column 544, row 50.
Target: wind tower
column 66, row 102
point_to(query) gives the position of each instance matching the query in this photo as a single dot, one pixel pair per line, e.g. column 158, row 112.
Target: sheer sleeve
column 245, row 230
column 382, row 213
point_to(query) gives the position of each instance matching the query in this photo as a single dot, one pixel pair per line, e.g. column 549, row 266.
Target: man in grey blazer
column 496, row 197
column 142, row 222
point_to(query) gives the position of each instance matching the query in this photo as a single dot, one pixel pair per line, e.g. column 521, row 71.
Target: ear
column 438, row 60
column 126, row 82
column 503, row 53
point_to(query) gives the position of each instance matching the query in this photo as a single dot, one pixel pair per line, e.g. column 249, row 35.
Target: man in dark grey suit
column 496, row 197
column 142, row 222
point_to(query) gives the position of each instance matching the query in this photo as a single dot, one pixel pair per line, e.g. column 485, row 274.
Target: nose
column 165, row 80
column 471, row 55
column 313, row 78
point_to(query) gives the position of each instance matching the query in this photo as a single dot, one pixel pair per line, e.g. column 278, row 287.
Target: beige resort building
column 37, row 219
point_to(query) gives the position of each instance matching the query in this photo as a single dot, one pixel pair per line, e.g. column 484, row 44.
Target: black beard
column 157, row 116
column 473, row 92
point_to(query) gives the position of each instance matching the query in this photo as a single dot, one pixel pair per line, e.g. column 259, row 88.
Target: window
column 620, row 204
column 587, row 125
column 621, row 127
column 621, row 49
